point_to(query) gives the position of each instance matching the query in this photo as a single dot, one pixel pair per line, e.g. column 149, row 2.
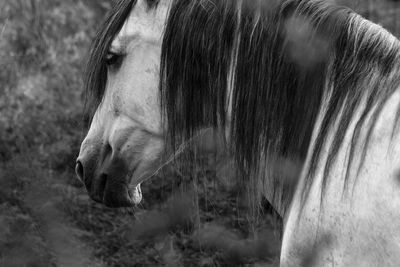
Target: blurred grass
column 46, row 218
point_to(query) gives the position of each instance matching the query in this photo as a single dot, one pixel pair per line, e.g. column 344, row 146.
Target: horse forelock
column 280, row 60
column 96, row 69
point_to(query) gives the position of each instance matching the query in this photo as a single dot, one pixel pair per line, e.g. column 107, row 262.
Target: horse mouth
column 115, row 193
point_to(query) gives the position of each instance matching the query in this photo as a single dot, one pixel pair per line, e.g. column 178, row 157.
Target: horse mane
column 280, row 61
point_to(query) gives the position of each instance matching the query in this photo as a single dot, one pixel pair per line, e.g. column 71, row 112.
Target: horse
column 307, row 82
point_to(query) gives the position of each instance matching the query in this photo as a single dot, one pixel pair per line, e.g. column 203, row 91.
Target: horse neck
column 362, row 74
column 347, row 195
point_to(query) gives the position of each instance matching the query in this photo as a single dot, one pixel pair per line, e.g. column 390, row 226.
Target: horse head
column 125, row 138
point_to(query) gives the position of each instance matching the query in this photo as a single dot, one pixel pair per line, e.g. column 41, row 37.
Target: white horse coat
column 347, row 216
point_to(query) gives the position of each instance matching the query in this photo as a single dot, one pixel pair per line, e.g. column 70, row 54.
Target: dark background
column 46, row 218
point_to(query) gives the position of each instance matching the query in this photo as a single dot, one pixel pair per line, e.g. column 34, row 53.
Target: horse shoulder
column 356, row 223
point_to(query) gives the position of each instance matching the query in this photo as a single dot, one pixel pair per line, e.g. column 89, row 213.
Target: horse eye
column 113, row 59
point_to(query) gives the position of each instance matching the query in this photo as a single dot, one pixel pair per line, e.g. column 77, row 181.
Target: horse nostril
column 79, row 170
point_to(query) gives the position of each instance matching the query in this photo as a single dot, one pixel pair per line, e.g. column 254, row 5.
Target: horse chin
column 120, row 195
column 116, row 195
column 135, row 194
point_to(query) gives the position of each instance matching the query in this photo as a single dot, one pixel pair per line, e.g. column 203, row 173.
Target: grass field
column 46, row 218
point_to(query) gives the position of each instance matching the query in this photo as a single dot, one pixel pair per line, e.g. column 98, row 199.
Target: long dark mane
column 281, row 61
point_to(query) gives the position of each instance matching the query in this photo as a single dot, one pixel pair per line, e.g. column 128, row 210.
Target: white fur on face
column 129, row 118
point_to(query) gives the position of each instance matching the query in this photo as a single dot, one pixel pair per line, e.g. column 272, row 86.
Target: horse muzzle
column 106, row 177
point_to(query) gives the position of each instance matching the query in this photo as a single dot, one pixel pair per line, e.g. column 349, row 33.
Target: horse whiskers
column 178, row 151
column 4, row 28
